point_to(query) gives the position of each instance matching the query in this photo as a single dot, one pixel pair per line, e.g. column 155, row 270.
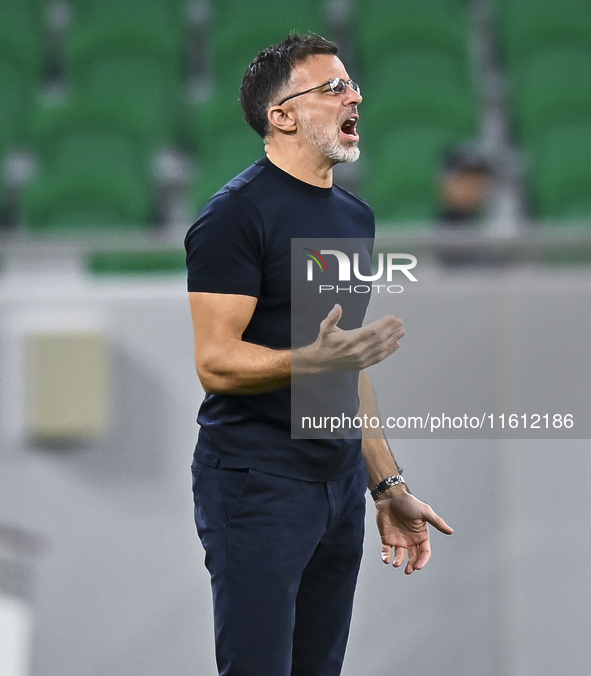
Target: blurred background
column 118, row 120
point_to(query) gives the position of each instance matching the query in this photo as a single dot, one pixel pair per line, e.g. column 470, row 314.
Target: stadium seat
column 52, row 127
column 95, row 173
column 206, row 122
column 400, row 27
column 417, row 89
column 168, row 15
column 137, row 68
column 237, row 34
column 419, row 70
column 553, row 88
column 401, row 177
column 263, row 19
column 233, row 153
column 559, row 173
column 82, row 206
column 24, row 18
column 20, row 74
column 529, row 27
column 14, row 101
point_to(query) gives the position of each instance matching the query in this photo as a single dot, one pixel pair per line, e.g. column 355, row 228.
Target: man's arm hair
column 379, row 459
column 226, row 364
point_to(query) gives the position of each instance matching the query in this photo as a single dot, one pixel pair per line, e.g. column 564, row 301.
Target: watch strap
column 386, row 483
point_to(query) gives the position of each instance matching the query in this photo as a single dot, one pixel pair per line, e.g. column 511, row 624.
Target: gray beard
column 327, row 142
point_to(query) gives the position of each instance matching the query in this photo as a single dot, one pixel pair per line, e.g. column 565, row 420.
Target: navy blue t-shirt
column 241, row 244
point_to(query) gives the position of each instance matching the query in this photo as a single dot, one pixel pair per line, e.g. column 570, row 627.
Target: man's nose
column 352, row 98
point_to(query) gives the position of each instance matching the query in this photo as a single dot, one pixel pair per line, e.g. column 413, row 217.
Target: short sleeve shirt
column 241, row 244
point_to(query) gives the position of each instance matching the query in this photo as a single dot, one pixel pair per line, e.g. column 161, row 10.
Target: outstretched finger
column 437, row 522
column 386, row 553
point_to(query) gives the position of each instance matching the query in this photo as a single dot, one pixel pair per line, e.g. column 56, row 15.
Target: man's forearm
column 239, row 367
column 379, row 461
column 378, row 458
column 228, row 365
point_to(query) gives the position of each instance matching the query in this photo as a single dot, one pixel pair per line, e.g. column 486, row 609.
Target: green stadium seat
column 238, row 34
column 263, row 19
column 529, row 27
column 400, row 27
column 23, row 17
column 419, row 70
column 206, row 122
column 77, row 205
column 559, row 173
column 168, row 15
column 423, row 89
column 401, row 177
column 95, row 173
column 53, row 127
column 20, row 77
column 137, row 68
column 553, row 88
column 14, row 102
column 233, row 153
column 20, row 74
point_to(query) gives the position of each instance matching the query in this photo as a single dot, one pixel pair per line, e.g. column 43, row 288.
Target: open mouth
column 349, row 128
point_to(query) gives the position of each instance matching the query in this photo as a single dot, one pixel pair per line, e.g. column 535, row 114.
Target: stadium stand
column 19, row 78
column 219, row 137
column 136, row 68
column 385, row 28
column 419, row 100
column 418, row 88
column 400, row 181
column 96, row 147
column 167, row 15
column 560, row 173
column 20, row 75
column 526, row 28
column 214, row 129
column 238, row 32
column 546, row 50
column 128, row 93
column 94, row 172
column 552, row 89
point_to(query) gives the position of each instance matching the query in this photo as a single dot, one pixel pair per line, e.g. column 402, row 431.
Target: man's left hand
column 402, row 522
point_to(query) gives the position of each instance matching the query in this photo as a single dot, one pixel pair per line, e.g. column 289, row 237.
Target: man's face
column 466, row 191
column 327, row 121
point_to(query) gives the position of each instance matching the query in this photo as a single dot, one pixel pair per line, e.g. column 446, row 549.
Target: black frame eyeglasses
column 337, row 85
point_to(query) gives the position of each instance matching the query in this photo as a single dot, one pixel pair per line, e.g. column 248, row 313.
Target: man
column 281, row 519
column 465, row 186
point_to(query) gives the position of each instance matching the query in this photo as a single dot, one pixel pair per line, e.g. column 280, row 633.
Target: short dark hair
column 270, row 72
column 466, row 159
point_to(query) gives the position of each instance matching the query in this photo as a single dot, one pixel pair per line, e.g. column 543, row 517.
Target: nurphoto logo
column 393, row 264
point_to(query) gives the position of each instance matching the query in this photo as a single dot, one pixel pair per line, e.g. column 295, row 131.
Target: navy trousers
column 283, row 556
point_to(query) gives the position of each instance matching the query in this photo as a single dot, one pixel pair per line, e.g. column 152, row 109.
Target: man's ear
column 281, row 119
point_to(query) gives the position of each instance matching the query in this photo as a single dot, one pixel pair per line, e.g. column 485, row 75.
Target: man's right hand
column 338, row 350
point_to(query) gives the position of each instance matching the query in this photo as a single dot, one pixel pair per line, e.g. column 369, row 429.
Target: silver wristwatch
column 389, row 482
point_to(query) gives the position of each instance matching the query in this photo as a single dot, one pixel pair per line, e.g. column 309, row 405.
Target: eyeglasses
column 337, row 85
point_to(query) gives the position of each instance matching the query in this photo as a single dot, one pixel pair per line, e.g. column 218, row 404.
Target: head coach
column 282, row 519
